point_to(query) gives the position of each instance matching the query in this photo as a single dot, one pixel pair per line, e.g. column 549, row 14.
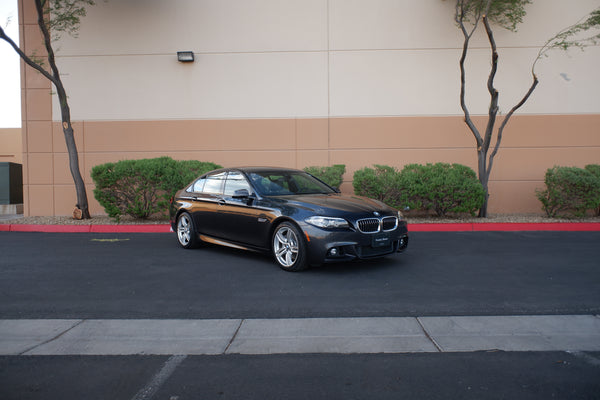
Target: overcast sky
column 10, row 86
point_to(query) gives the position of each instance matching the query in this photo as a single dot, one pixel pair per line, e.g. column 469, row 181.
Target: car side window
column 198, row 186
column 214, row 183
column 236, row 181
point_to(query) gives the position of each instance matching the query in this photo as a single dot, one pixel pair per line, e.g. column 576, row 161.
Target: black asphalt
column 148, row 276
column 482, row 375
column 77, row 275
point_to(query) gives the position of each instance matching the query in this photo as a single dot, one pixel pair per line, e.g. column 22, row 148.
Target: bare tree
column 507, row 14
column 56, row 17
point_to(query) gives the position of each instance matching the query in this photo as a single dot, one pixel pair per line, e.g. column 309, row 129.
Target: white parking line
column 587, row 358
column 148, row 391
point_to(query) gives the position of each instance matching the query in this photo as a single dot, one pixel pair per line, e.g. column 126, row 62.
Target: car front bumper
column 326, row 246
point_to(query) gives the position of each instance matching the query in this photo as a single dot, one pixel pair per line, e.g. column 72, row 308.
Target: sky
column 10, row 82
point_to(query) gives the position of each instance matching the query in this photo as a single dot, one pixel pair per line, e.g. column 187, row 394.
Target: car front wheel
column 186, row 233
column 289, row 248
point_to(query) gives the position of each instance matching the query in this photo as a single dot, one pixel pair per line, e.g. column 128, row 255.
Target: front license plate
column 381, row 240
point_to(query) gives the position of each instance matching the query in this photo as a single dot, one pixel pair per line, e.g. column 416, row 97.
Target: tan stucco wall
column 11, row 145
column 299, row 83
column 533, row 144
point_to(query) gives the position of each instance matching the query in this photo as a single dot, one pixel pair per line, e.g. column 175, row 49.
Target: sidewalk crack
column 53, row 338
column 233, row 337
column 437, row 346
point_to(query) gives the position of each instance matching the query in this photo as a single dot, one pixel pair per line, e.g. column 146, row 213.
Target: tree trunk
column 82, row 200
column 484, row 176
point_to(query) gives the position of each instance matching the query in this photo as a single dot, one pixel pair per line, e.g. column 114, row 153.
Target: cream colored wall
column 318, row 58
column 299, row 83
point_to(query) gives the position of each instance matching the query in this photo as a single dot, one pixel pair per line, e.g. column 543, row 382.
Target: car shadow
column 357, row 266
column 230, row 255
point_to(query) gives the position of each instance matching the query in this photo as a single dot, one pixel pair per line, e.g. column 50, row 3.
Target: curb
column 162, row 228
column 425, row 227
column 507, row 227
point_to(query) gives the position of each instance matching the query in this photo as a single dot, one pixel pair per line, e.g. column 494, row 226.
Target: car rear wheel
column 186, row 232
column 289, row 248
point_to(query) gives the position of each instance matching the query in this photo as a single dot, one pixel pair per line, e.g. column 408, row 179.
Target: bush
column 570, row 191
column 381, row 183
column 330, row 175
column 443, row 188
column 141, row 188
column 595, row 170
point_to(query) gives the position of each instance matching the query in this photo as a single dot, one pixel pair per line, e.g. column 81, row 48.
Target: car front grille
column 374, row 225
column 368, row 225
column 389, row 223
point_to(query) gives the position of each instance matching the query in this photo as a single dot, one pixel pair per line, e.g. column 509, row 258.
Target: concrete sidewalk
column 309, row 335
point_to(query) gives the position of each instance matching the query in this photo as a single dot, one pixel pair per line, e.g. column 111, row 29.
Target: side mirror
column 241, row 194
column 244, row 196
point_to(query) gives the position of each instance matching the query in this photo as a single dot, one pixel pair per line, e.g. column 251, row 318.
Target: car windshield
column 282, row 183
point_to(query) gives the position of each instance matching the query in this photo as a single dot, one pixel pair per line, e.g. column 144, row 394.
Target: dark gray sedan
column 295, row 216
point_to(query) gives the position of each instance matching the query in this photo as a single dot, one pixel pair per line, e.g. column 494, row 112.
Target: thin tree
column 507, row 14
column 54, row 18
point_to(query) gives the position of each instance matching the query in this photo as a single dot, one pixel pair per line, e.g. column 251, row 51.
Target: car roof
column 265, row 169
column 255, row 169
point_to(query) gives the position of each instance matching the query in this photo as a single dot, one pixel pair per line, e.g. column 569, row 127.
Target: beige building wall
column 298, row 83
column 11, row 145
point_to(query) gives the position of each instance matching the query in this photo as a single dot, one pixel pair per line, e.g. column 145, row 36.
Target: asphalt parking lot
column 50, row 275
column 94, row 281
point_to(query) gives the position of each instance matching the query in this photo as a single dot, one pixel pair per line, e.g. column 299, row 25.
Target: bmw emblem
column 375, row 213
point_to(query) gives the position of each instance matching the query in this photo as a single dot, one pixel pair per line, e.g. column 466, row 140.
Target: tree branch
column 60, row 90
column 510, row 113
column 467, row 37
column 25, row 57
column 493, row 109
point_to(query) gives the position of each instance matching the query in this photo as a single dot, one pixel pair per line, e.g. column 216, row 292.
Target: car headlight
column 400, row 216
column 327, row 222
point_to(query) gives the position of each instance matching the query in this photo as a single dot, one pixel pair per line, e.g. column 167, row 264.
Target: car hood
column 337, row 204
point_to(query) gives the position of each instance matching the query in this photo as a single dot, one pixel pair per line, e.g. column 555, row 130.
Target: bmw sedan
column 296, row 217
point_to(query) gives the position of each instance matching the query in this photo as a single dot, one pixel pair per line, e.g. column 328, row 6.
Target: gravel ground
column 411, row 219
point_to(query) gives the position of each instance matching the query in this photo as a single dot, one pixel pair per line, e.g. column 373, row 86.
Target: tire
column 187, row 237
column 288, row 247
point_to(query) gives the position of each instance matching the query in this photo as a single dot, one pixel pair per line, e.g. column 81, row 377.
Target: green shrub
column 330, row 175
column 569, row 192
column 182, row 173
column 443, row 188
column 595, row 170
column 141, row 188
column 381, row 183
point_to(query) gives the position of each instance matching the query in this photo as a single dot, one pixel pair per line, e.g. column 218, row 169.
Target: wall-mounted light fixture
column 185, row 56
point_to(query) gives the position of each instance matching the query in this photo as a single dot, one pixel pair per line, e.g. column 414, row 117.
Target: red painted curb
column 542, row 226
column 433, row 227
column 458, row 227
column 130, row 228
column 507, row 227
column 162, row 228
column 49, row 228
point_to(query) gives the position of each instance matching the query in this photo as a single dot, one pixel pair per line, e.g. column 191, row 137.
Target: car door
column 241, row 219
column 206, row 193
